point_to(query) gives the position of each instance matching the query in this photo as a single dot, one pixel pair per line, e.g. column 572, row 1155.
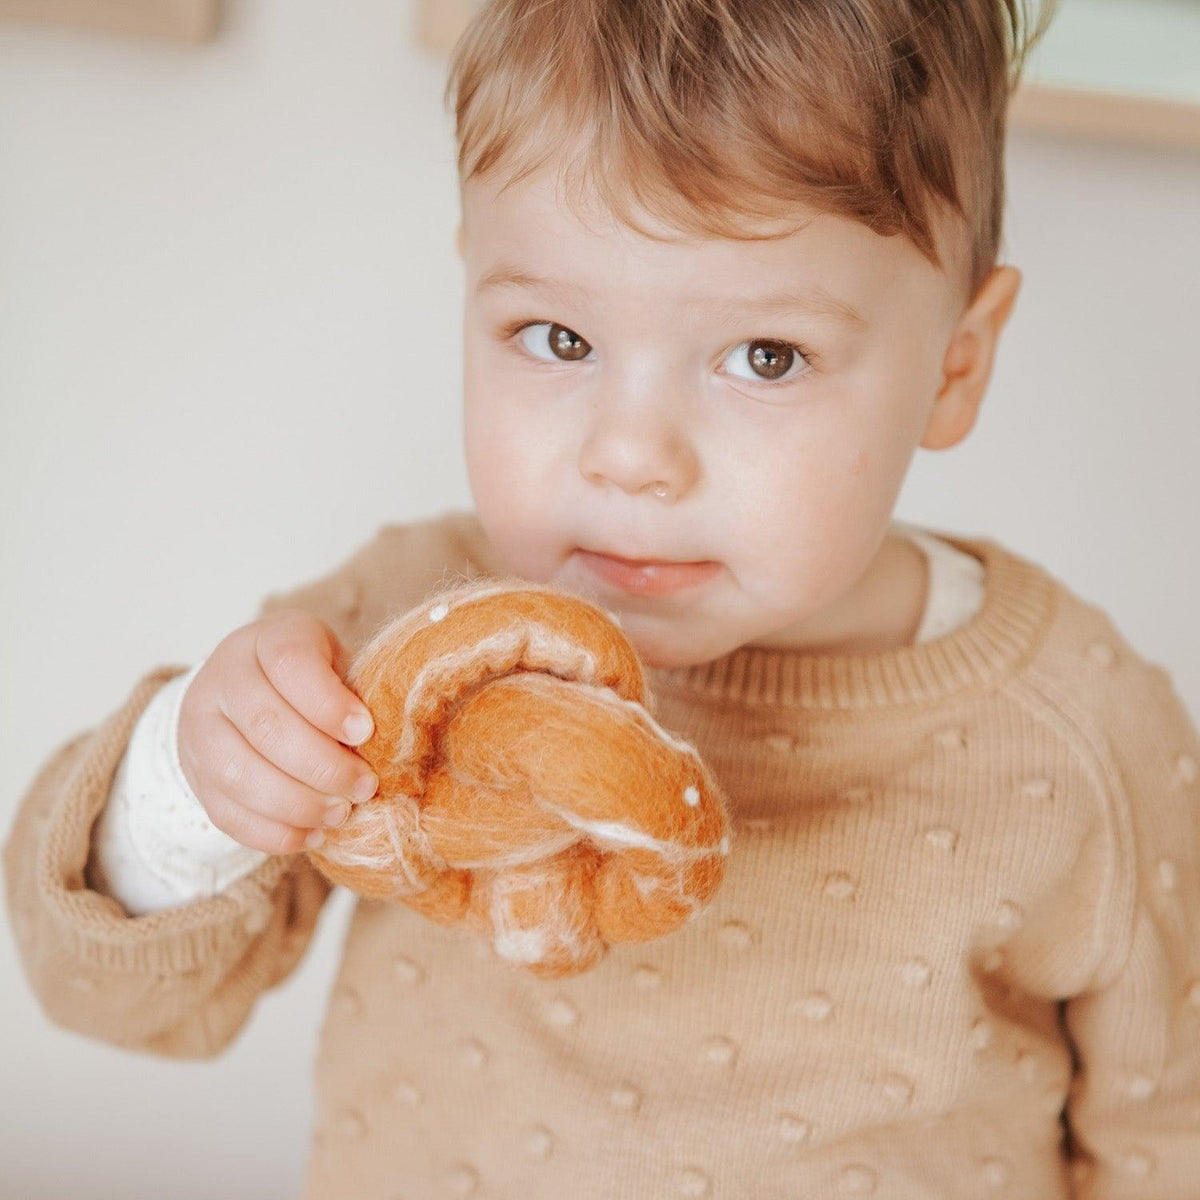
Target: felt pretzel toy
column 525, row 792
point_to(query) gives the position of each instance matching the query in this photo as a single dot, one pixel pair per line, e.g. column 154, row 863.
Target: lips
column 647, row 577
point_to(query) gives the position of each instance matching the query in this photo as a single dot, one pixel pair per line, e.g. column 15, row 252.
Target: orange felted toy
column 525, row 792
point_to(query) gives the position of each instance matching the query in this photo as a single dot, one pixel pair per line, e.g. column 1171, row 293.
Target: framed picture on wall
column 439, row 22
column 179, row 20
column 1126, row 69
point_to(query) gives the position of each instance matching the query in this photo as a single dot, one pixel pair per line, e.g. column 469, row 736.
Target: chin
column 658, row 650
column 651, row 658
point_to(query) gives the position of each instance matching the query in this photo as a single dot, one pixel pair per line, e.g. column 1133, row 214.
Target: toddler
column 728, row 264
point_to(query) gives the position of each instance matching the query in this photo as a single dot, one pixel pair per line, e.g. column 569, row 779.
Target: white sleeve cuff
column 153, row 844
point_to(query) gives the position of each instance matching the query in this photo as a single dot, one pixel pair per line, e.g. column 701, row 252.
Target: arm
column 1134, row 1110
column 178, row 983
column 183, row 981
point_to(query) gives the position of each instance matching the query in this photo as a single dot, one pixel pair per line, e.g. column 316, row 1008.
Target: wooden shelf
column 1110, row 115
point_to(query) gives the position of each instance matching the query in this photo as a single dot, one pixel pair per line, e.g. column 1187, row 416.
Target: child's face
column 783, row 471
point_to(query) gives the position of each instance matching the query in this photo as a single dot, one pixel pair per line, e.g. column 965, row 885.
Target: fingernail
column 364, row 789
column 357, row 728
column 315, row 838
column 337, row 814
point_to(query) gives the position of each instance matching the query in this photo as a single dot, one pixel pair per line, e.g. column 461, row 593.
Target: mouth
column 646, row 577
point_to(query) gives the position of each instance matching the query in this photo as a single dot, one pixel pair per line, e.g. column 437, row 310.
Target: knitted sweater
column 154, row 845
column 961, row 909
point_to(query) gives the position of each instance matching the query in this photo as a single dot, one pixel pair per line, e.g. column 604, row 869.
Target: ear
column 458, row 239
column 969, row 358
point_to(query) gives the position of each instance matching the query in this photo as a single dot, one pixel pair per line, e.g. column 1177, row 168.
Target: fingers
column 300, row 656
column 255, row 802
column 285, row 738
column 251, row 829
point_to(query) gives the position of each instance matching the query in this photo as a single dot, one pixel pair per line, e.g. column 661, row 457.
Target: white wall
column 229, row 337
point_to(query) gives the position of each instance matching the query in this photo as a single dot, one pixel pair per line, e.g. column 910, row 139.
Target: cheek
column 494, row 434
column 497, row 465
column 510, row 485
column 861, row 463
column 819, row 487
column 805, row 528
column 502, row 440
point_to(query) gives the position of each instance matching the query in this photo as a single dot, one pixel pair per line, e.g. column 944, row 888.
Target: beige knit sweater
column 961, row 918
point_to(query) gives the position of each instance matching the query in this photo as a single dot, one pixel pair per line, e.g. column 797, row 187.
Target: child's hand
column 260, row 732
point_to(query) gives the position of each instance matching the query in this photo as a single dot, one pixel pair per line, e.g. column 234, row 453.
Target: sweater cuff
column 95, row 928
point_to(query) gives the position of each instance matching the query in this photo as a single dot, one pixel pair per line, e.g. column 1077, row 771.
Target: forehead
column 534, row 226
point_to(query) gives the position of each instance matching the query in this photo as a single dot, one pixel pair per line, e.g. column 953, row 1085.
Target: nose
column 638, row 447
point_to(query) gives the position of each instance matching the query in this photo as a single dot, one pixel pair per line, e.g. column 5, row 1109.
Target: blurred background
column 229, row 352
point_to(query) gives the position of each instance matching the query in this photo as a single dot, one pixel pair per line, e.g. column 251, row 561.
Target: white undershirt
column 154, row 846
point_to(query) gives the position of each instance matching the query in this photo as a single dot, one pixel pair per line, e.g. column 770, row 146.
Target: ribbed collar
column 1017, row 608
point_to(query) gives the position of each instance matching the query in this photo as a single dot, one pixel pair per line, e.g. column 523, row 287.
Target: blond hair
column 707, row 112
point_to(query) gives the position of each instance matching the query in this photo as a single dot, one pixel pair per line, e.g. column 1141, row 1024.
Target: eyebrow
column 814, row 300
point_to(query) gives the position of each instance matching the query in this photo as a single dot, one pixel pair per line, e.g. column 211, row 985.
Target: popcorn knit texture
column 955, row 952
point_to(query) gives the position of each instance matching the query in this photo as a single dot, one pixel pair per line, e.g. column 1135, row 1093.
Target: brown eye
column 771, row 360
column 567, row 344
